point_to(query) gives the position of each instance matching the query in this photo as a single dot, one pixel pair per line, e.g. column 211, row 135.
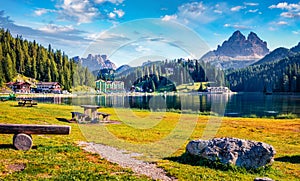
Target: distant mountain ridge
column 123, row 68
column 279, row 54
column 238, row 51
column 95, row 62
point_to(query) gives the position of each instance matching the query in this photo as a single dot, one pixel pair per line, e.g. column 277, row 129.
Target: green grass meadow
column 161, row 137
column 53, row 157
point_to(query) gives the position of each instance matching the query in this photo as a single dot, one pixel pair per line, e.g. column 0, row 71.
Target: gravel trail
column 127, row 160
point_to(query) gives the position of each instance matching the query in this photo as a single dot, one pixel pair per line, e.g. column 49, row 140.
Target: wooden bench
column 105, row 116
column 3, row 99
column 78, row 116
column 22, row 139
column 28, row 102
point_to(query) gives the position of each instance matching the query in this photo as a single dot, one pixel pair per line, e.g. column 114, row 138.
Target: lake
column 233, row 105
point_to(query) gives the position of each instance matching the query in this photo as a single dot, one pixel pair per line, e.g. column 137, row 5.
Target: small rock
column 263, row 179
column 242, row 153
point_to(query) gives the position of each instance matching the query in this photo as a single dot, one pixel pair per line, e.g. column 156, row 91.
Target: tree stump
column 22, row 141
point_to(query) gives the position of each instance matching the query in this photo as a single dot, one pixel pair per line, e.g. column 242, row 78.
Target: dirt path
column 127, row 160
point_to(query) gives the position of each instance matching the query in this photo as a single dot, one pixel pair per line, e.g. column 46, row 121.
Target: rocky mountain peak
column 238, row 51
column 252, row 36
column 259, row 46
column 238, row 45
column 237, row 36
column 96, row 62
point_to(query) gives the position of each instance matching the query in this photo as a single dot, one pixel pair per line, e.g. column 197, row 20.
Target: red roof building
column 19, row 87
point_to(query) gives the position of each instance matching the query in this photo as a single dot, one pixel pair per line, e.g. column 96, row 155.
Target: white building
column 48, row 87
column 218, row 90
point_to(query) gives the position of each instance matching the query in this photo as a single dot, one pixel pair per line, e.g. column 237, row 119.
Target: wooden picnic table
column 28, row 102
column 91, row 110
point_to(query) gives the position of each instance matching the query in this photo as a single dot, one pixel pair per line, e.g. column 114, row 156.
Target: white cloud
column 253, row 10
column 221, row 8
column 218, row 11
column 42, row 11
column 237, row 8
column 290, row 15
column 291, row 10
column 81, row 11
column 286, row 6
column 56, row 28
column 116, row 13
column 119, row 12
column 92, row 36
column 105, row 36
column 111, row 1
column 169, row 17
column 112, row 15
column 195, row 8
column 195, row 12
column 85, row 11
column 236, row 26
column 61, row 37
column 251, row 4
column 280, row 23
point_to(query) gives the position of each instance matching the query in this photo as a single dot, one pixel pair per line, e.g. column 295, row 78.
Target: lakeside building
column 169, row 71
column 109, row 86
column 218, row 90
column 19, row 87
column 48, row 87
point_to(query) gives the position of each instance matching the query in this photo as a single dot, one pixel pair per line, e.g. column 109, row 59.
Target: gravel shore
column 127, row 160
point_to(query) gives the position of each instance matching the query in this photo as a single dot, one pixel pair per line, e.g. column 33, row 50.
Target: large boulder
column 242, row 153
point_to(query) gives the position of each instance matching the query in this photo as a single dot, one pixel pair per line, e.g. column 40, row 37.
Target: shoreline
column 29, row 95
column 80, row 94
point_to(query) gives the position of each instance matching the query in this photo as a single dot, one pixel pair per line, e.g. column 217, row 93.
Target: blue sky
column 129, row 30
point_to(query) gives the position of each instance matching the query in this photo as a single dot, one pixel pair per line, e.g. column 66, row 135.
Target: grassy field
column 191, row 87
column 160, row 137
column 53, row 157
column 188, row 87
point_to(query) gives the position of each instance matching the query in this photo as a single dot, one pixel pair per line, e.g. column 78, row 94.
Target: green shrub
column 286, row 116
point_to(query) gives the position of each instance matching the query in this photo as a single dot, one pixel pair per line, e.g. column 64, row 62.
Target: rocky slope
column 238, row 51
column 95, row 62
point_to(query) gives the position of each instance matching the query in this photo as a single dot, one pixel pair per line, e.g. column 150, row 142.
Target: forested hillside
column 276, row 76
column 44, row 64
column 279, row 54
column 158, row 76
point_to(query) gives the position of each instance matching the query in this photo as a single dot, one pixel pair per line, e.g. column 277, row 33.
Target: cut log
column 22, row 141
column 34, row 129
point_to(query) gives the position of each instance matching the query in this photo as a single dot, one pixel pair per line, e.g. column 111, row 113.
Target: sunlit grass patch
column 53, row 157
column 157, row 135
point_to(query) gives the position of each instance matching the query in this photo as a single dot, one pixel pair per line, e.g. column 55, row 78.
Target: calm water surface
column 242, row 104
